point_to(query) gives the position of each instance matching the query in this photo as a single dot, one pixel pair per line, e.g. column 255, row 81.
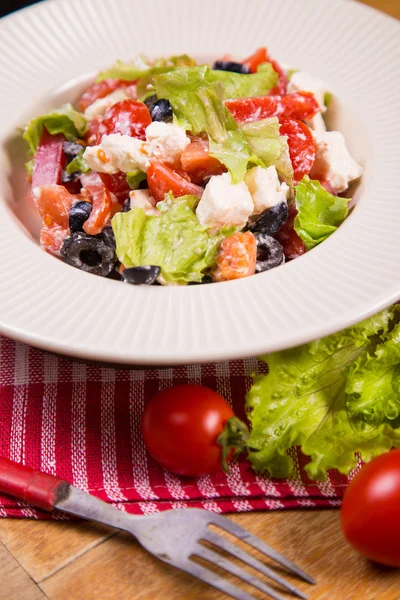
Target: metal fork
column 176, row 537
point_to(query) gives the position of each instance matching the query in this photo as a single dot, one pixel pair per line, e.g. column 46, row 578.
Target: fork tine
column 234, row 529
column 216, row 559
column 228, row 546
column 214, row 580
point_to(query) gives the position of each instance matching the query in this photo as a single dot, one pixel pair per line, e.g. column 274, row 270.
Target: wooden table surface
column 80, row 561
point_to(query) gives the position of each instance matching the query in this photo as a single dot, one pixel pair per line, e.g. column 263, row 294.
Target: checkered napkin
column 82, row 423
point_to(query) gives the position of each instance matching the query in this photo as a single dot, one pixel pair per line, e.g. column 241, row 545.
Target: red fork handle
column 34, row 487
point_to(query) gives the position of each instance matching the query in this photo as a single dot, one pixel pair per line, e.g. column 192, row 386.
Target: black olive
column 126, row 205
column 269, row 252
column 70, row 177
column 150, row 101
column 271, row 220
column 234, row 67
column 71, row 149
column 108, row 235
column 161, row 111
column 78, row 214
column 91, row 253
column 141, row 275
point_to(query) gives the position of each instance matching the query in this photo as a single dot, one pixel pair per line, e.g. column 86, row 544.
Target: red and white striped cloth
column 82, row 423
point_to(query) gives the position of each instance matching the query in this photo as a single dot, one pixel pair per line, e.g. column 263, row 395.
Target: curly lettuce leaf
column 174, row 241
column 319, row 212
column 134, row 179
column 245, row 86
column 373, row 382
column 269, row 146
column 303, row 402
column 199, row 107
column 78, row 163
column 64, row 120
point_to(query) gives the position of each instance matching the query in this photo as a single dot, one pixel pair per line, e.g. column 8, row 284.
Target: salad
column 170, row 172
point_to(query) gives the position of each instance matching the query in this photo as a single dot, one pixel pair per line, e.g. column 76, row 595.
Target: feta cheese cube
column 265, row 188
column 316, row 123
column 101, row 105
column 117, row 152
column 333, row 161
column 301, row 81
column 143, row 199
column 165, row 141
column 224, row 204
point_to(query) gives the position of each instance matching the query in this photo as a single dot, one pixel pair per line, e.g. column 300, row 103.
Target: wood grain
column 15, row 582
column 80, row 561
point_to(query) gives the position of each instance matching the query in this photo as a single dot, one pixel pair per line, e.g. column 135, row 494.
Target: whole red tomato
column 370, row 514
column 180, row 428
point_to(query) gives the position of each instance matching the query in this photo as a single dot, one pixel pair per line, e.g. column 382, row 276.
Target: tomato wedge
column 51, row 238
column 299, row 105
column 128, row 117
column 260, row 56
column 100, row 90
column 117, row 185
column 236, row 257
column 291, row 242
column 94, row 188
column 197, row 163
column 301, row 146
column 53, row 203
column 161, row 180
column 49, row 159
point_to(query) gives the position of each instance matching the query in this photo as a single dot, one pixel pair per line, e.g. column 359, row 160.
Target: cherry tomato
column 260, row 56
column 96, row 191
column 197, row 162
column 370, row 514
column 293, row 245
column 49, row 159
column 100, row 90
column 180, row 427
column 92, row 135
column 299, row 105
column 236, row 257
column 301, row 146
column 117, row 185
column 161, row 180
column 128, row 117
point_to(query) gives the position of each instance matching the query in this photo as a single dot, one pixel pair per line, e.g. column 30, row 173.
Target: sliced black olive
column 234, row 67
column 269, row 252
column 141, row 275
column 78, row 214
column 126, row 205
column 71, row 149
column 150, row 101
column 70, row 177
column 161, row 111
column 91, row 253
column 108, row 235
column 271, row 220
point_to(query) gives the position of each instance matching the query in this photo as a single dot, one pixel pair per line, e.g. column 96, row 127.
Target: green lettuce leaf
column 64, row 120
column 319, row 212
column 373, row 383
column 303, row 402
column 134, row 179
column 174, row 241
column 199, row 107
column 269, row 146
column 245, row 86
column 141, row 67
column 78, row 163
column 29, row 166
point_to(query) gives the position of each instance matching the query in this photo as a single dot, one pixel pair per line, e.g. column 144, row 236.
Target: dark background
column 7, row 6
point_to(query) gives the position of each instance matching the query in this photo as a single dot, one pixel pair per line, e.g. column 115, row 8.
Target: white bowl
column 353, row 274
